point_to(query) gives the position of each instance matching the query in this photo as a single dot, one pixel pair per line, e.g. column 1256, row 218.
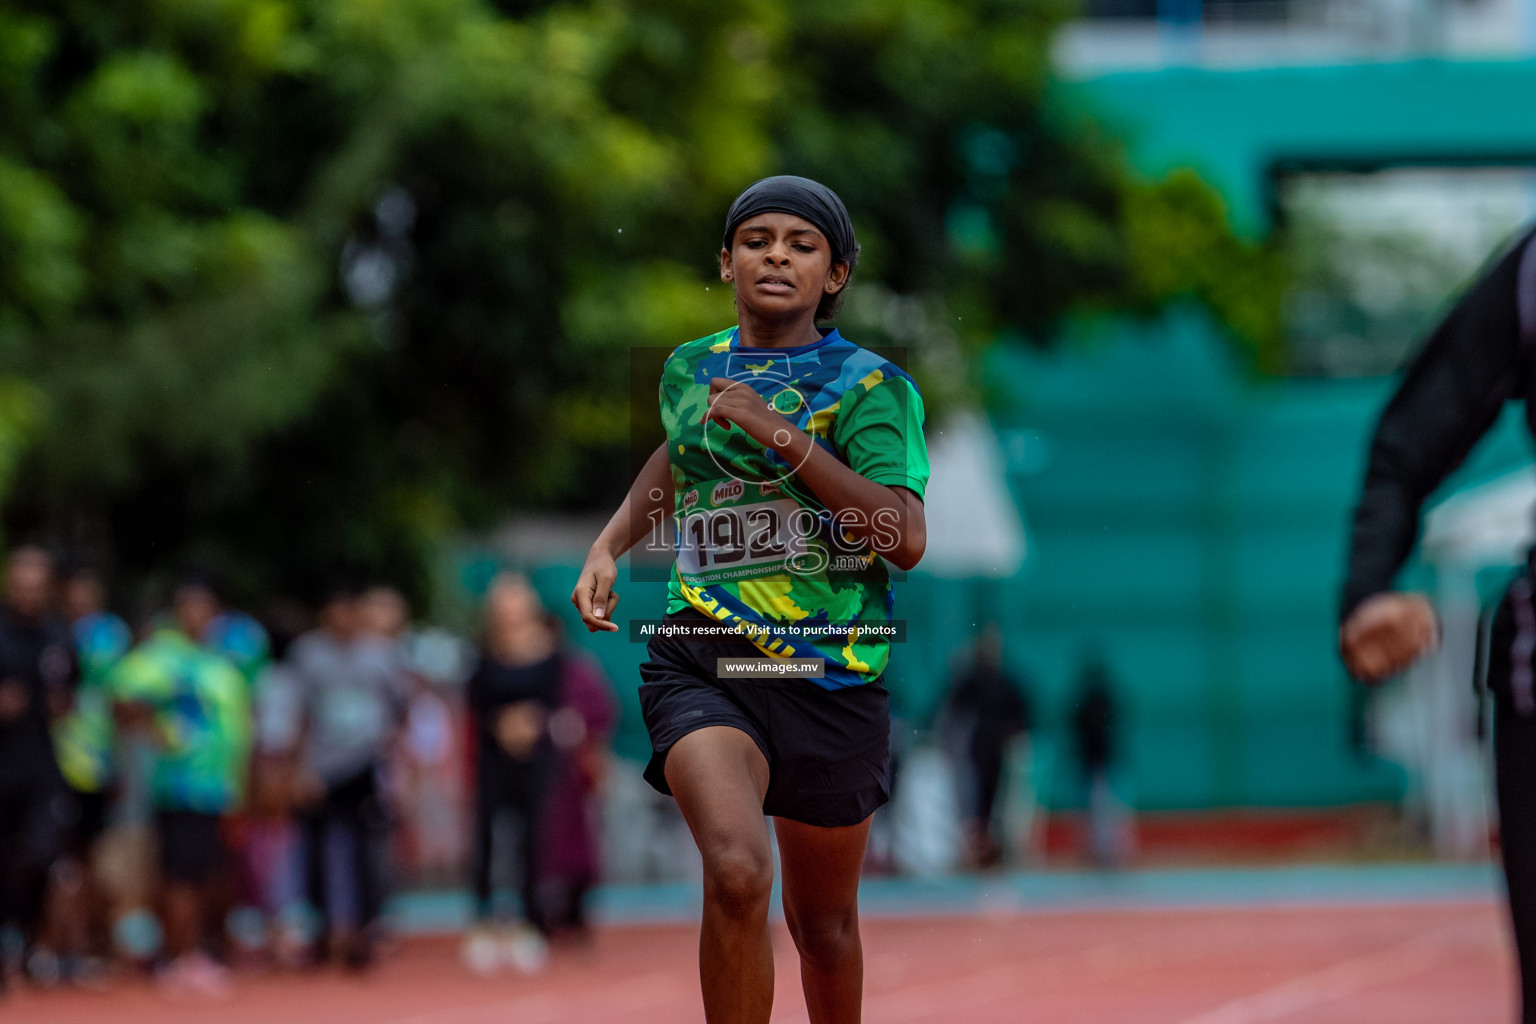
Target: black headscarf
column 811, row 200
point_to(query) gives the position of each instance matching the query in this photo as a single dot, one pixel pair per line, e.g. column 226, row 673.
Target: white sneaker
column 195, row 975
column 479, row 952
column 526, row 950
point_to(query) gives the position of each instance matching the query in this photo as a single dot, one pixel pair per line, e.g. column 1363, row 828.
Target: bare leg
column 183, row 918
column 72, row 909
column 821, row 904
column 719, row 777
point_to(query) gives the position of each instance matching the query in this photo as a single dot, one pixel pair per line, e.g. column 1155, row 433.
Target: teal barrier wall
column 1236, row 126
column 1193, row 523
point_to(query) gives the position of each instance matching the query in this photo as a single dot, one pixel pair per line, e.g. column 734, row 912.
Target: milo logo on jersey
column 727, row 490
column 742, row 536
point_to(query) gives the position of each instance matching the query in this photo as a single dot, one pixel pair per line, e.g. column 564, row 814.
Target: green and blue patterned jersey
column 243, row 641
column 85, row 740
column 201, row 718
column 756, row 548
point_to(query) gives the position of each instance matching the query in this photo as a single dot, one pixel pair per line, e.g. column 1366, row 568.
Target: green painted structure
column 1186, row 519
column 1191, row 522
column 1238, row 128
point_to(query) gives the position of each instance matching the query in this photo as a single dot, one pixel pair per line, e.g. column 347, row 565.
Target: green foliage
column 1181, row 244
column 19, row 407
column 315, row 283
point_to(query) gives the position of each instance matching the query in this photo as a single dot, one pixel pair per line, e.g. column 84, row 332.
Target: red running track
column 1420, row 964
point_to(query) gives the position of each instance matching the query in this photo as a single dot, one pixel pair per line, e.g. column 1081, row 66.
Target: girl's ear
column 837, row 278
column 727, row 269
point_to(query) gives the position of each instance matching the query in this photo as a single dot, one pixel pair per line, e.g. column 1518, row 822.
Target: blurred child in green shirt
column 195, row 705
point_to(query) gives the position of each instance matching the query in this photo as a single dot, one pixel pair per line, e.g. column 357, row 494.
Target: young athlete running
column 793, row 459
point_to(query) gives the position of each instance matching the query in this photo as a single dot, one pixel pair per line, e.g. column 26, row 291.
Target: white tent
column 974, row 528
column 1427, row 724
column 1491, row 524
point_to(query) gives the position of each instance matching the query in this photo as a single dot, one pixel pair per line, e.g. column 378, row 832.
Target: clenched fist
column 1386, row 634
column 734, row 401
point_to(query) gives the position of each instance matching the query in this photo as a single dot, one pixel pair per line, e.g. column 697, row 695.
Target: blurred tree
column 311, row 284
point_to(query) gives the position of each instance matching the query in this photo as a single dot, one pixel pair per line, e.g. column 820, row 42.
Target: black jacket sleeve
column 1450, row 395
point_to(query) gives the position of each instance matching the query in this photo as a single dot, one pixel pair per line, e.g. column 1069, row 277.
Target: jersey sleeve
column 881, row 435
column 235, row 721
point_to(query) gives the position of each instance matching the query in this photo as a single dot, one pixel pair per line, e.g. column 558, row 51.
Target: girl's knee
column 825, row 937
column 738, row 880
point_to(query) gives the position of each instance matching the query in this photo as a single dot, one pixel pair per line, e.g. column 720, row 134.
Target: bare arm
column 889, row 519
column 649, row 500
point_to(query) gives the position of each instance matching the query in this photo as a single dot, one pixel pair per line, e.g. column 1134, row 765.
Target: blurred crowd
column 205, row 790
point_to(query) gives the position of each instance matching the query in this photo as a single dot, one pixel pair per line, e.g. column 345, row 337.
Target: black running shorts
column 191, row 847
column 828, row 751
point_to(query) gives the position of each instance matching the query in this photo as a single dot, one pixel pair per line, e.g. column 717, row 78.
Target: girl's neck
column 764, row 332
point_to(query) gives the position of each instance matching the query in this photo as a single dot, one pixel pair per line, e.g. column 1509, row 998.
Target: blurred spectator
column 426, row 780
column 512, row 693
column 432, row 785
column 240, row 638
column 1094, row 724
column 273, row 846
column 580, row 730
column 353, row 696
column 101, row 638
column 37, row 673
column 85, row 741
column 194, row 704
column 242, row 641
column 385, row 613
column 986, row 711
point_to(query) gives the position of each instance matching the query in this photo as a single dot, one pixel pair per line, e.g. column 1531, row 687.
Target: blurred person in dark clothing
column 352, row 694
column 580, row 729
column 986, row 711
column 38, row 671
column 1482, row 355
column 514, row 690
column 192, row 702
column 1093, row 727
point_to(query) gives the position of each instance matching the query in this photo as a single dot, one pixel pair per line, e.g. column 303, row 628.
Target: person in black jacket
column 514, row 690
column 1482, row 355
column 37, row 675
column 988, row 708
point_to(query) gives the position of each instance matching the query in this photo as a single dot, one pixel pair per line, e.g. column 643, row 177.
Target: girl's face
column 510, row 603
column 781, row 266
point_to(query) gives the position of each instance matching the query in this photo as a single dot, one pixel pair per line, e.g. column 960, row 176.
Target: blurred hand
column 306, row 789
column 14, row 700
column 592, row 763
column 519, row 727
column 594, row 597
column 1386, row 634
